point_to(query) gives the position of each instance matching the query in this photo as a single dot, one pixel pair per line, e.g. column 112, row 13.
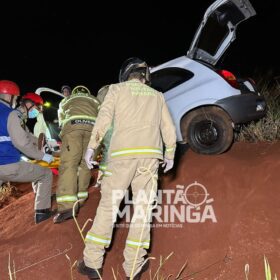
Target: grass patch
column 267, row 271
column 8, row 192
column 268, row 128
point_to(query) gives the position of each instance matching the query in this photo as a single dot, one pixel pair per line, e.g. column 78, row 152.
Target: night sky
column 51, row 43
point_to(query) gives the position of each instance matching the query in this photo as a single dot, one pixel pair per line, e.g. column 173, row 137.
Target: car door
column 47, row 122
column 218, row 29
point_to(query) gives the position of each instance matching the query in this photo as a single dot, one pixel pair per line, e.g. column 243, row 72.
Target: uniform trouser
column 29, row 172
column 74, row 175
column 123, row 173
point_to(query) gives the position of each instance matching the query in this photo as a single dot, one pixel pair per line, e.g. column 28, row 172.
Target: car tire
column 208, row 130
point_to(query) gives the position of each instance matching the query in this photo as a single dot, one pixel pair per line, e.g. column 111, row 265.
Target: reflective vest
column 79, row 108
column 8, row 152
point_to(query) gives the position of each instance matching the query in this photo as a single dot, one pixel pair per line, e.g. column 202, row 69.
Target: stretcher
column 54, row 164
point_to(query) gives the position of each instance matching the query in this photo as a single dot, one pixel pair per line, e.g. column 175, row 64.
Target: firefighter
column 105, row 142
column 66, row 90
column 31, row 105
column 77, row 118
column 14, row 141
column 142, row 123
column 26, row 111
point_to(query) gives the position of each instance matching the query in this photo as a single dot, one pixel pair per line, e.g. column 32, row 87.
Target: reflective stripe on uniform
column 102, row 167
column 136, row 151
column 82, row 194
column 137, row 243
column 66, row 198
column 91, row 237
column 108, row 173
column 80, row 96
column 5, row 138
column 79, row 117
column 170, row 149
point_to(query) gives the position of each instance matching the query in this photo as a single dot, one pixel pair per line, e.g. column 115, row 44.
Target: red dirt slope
column 244, row 184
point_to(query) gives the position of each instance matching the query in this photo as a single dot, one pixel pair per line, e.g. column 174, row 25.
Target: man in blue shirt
column 14, row 141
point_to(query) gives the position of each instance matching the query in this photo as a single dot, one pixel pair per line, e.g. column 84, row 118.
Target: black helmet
column 134, row 65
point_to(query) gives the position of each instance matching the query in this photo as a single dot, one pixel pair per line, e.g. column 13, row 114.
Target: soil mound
column 231, row 219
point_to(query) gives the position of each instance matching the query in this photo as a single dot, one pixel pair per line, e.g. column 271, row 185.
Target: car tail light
column 229, row 77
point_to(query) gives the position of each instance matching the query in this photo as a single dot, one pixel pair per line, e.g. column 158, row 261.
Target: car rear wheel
column 208, row 130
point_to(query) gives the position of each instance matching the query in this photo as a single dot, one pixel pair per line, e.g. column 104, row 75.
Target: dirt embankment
column 236, row 224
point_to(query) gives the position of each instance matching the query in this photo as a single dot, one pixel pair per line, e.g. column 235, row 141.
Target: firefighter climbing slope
column 142, row 124
column 77, row 117
column 105, row 142
column 14, row 141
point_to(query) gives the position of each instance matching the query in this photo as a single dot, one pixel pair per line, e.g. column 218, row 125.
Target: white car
column 47, row 122
column 207, row 103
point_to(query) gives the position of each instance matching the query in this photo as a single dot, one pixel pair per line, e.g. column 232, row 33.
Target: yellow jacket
column 142, row 123
column 80, row 109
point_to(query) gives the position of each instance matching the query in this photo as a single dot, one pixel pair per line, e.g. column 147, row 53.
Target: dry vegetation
column 7, row 193
column 268, row 128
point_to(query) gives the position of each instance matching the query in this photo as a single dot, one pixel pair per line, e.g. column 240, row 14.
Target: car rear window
column 168, row 78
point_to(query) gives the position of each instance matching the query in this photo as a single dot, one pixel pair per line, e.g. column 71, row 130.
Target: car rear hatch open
column 218, row 29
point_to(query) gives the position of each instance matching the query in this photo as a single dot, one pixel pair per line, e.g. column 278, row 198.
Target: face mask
column 33, row 114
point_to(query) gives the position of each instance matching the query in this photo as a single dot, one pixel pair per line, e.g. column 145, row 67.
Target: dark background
column 51, row 43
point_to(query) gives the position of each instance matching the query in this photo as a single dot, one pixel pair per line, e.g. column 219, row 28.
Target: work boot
column 139, row 274
column 42, row 215
column 61, row 217
column 90, row 272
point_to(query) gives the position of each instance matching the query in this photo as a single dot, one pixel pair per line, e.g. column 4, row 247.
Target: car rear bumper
column 244, row 108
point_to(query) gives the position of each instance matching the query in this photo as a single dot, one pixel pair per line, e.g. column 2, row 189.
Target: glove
column 47, row 158
column 167, row 164
column 88, row 158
